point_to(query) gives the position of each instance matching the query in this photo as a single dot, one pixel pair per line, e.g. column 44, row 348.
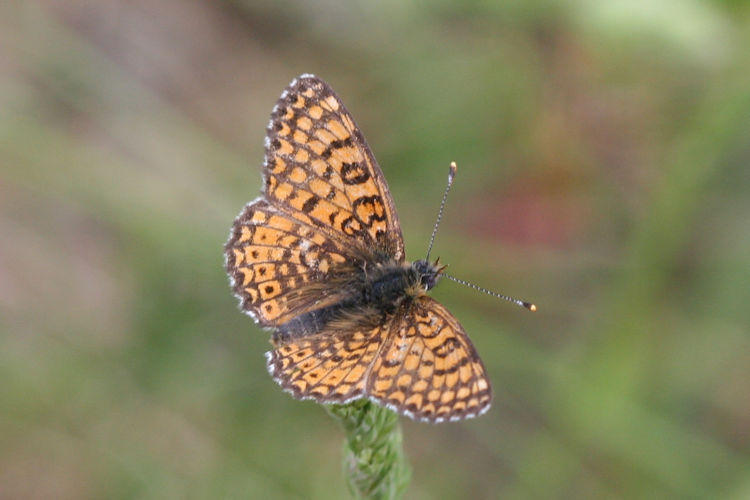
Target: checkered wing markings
column 428, row 368
column 330, row 367
column 272, row 259
column 320, row 170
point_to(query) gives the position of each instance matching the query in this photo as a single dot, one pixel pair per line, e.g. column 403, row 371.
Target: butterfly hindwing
column 420, row 364
column 427, row 368
column 330, row 367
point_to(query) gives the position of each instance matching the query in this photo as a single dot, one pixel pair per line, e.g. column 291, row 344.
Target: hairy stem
column 374, row 462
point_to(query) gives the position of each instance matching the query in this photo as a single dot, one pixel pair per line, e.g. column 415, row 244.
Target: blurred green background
column 603, row 152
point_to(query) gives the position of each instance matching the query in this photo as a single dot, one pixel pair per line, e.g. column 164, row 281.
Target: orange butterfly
column 319, row 258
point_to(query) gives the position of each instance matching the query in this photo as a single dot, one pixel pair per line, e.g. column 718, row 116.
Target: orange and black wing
column 330, row 367
column 428, row 369
column 420, row 364
column 274, row 261
column 320, row 171
column 324, row 211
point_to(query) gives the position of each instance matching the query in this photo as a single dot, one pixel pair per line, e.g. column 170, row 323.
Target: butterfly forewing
column 325, row 206
column 273, row 258
column 319, row 170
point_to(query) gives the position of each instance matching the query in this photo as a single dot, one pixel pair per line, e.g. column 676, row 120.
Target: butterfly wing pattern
column 324, row 200
column 428, row 368
column 319, row 259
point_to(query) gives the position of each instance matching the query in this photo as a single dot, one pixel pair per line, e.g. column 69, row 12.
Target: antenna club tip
column 453, row 169
column 529, row 306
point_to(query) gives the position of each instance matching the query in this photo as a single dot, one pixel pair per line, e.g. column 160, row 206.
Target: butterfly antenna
column 527, row 305
column 451, row 175
column 522, row 303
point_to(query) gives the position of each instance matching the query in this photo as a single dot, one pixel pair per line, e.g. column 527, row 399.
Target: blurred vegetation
column 603, row 152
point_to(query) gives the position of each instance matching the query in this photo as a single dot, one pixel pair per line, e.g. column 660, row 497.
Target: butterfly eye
column 427, row 274
column 429, row 280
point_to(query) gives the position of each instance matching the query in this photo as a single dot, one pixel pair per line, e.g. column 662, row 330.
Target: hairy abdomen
column 371, row 297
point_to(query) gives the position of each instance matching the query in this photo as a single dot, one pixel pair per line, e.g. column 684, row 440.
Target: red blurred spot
column 530, row 212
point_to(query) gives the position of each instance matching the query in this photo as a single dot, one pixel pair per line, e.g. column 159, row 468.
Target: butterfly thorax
column 391, row 284
column 369, row 296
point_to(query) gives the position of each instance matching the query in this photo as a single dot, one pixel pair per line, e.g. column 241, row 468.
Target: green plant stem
column 374, row 462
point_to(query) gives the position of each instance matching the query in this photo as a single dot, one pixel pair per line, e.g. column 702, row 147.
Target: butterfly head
column 428, row 273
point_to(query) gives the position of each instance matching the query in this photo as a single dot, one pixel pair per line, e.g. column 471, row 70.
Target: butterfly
column 318, row 258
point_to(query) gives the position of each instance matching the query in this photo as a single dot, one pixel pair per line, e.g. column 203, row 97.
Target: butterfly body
column 319, row 259
column 371, row 296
